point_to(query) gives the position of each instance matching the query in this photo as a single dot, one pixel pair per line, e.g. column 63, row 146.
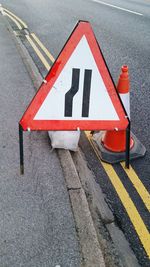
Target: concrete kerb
column 90, row 247
column 29, row 63
column 79, row 190
column 91, row 188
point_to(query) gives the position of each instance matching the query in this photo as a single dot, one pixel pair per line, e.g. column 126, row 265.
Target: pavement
column 37, row 227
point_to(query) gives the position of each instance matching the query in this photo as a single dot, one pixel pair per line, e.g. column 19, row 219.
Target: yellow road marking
column 17, row 18
column 42, row 58
column 128, row 204
column 142, row 191
column 43, row 47
column 14, row 20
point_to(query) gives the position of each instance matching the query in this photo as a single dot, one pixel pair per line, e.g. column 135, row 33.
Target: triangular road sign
column 79, row 91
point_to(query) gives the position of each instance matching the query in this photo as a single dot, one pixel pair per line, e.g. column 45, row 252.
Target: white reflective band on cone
column 126, row 102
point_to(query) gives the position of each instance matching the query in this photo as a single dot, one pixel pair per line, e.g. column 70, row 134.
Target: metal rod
column 127, row 163
column 21, row 150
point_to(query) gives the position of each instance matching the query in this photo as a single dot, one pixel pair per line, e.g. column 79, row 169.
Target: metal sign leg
column 127, row 163
column 21, row 150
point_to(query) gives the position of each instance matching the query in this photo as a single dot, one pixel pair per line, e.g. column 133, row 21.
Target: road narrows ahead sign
column 79, row 91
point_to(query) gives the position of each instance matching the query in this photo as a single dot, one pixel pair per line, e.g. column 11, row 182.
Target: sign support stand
column 127, row 160
column 21, row 150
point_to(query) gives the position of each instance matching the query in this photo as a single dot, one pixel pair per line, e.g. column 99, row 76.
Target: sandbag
column 64, row 139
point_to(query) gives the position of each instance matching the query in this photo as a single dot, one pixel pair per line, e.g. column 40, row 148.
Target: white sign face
column 79, row 93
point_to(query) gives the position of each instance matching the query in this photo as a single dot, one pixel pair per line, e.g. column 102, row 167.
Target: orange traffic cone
column 115, row 141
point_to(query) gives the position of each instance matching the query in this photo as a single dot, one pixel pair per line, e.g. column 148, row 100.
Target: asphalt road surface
column 122, row 29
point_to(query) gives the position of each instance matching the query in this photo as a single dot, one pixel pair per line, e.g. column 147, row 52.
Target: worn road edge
column 81, row 191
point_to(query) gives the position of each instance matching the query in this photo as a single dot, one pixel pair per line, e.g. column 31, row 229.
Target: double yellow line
column 127, row 202
column 19, row 22
column 38, row 52
column 30, row 37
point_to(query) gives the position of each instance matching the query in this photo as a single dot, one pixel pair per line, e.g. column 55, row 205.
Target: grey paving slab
column 36, row 221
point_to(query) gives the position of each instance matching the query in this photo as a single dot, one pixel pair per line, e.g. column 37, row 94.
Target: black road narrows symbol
column 71, row 93
column 74, row 89
column 86, row 93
